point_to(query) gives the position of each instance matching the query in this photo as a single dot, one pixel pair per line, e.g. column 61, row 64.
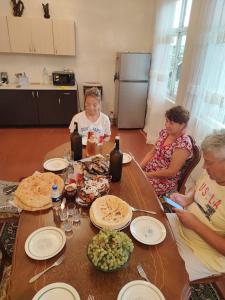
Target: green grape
column 110, row 250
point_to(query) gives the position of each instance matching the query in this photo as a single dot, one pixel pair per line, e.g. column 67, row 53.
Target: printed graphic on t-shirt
column 84, row 130
column 211, row 203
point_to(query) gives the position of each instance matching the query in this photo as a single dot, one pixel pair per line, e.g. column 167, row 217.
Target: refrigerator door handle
column 116, row 76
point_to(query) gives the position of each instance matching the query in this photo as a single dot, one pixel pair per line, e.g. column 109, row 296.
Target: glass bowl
column 110, row 270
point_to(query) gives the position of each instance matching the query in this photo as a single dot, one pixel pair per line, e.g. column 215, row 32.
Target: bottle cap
column 117, row 137
column 54, row 187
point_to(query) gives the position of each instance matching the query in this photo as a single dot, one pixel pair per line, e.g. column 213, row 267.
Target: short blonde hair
column 93, row 92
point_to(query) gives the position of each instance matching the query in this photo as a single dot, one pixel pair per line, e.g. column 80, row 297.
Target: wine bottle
column 116, row 159
column 76, row 143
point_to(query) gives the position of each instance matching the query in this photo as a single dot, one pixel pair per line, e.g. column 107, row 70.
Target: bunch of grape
column 110, row 250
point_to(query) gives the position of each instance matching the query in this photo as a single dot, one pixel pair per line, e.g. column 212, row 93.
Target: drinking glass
column 91, row 147
column 76, row 215
column 70, row 209
column 63, row 214
column 64, row 217
column 68, row 224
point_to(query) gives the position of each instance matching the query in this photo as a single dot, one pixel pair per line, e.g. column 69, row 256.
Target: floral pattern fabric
column 162, row 159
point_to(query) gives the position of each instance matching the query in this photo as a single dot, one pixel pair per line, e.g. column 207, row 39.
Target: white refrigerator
column 131, row 84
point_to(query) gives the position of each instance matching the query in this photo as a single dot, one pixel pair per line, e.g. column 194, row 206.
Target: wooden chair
column 189, row 166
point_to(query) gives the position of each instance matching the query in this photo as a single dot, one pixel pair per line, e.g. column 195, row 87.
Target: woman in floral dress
column 163, row 164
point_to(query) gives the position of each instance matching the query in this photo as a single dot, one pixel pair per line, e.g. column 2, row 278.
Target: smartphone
column 171, row 202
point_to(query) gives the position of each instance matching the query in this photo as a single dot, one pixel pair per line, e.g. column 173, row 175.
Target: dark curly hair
column 178, row 114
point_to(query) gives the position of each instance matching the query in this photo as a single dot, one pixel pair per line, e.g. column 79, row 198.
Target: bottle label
column 55, row 200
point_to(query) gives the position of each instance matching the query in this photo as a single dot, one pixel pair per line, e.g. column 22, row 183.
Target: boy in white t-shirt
column 92, row 119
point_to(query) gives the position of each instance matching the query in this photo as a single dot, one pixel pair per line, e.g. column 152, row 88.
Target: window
column 177, row 44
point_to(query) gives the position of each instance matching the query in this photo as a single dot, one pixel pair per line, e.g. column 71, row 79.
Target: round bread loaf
column 110, row 212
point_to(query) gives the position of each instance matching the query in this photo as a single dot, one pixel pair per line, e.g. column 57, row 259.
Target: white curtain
column 165, row 11
column 202, row 82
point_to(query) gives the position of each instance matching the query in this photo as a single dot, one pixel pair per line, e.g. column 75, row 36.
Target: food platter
column 148, row 230
column 45, row 243
column 56, row 164
column 140, row 289
column 57, row 291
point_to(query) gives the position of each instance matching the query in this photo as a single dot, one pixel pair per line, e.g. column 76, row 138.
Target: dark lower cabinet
column 18, row 108
column 37, row 107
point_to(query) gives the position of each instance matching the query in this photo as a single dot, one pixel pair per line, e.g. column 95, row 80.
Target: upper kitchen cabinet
column 31, row 35
column 42, row 38
column 64, row 37
column 4, row 43
column 20, row 34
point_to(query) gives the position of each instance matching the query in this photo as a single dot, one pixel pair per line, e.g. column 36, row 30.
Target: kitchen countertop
column 36, row 86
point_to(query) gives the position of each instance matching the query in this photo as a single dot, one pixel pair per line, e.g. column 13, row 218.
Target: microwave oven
column 63, row 78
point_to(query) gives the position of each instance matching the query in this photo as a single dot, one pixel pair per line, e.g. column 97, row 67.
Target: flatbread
column 110, row 212
column 34, row 192
column 29, row 208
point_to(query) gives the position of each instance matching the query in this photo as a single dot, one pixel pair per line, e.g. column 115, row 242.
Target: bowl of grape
column 110, row 250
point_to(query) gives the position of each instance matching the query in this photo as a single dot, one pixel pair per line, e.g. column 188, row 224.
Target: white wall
column 103, row 28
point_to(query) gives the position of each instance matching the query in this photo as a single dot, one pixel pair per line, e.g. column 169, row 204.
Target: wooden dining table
column 162, row 262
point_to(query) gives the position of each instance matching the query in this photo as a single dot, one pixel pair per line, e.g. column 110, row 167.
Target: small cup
column 76, row 215
column 68, row 224
column 70, row 209
column 63, row 214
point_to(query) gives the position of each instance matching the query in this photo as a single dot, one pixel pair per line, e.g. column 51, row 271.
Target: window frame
column 178, row 33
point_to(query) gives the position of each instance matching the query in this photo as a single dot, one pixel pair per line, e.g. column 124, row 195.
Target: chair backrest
column 189, row 166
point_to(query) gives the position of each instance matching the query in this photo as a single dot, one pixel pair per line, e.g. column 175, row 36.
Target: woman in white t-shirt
column 92, row 119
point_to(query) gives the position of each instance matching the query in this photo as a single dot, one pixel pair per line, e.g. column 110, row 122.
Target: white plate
column 57, row 291
column 126, row 158
column 45, row 242
column 148, row 230
column 118, row 229
column 140, row 289
column 55, row 164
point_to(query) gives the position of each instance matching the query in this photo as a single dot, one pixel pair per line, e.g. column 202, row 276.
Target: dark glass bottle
column 116, row 159
column 76, row 143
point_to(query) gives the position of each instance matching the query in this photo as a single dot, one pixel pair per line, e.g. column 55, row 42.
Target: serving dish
column 56, row 165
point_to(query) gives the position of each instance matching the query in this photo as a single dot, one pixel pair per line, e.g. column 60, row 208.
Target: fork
column 90, row 297
column 143, row 210
column 142, row 272
column 56, row 263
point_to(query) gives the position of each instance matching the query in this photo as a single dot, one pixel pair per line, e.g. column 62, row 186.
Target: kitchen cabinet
column 31, row 35
column 64, row 36
column 37, row 107
column 42, row 37
column 56, row 107
column 38, row 36
column 18, row 108
column 20, row 34
column 4, row 34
